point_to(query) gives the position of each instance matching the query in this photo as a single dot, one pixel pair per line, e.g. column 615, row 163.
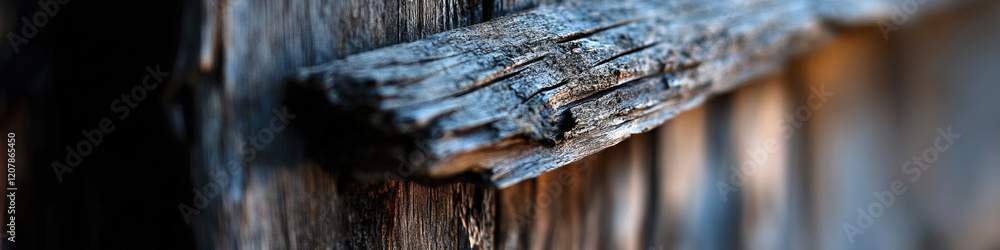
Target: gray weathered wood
column 520, row 95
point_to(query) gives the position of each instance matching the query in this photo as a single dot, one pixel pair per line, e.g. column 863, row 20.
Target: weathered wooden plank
column 517, row 96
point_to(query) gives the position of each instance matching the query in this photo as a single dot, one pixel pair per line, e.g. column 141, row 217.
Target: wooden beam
column 517, row 96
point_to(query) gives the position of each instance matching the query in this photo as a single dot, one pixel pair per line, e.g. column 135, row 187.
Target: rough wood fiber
column 517, row 96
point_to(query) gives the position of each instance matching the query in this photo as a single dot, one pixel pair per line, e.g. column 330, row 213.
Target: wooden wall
column 734, row 173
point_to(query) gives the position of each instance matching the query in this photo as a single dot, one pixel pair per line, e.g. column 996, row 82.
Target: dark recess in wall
column 126, row 192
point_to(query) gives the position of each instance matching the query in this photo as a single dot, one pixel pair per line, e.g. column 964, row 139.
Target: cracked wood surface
column 514, row 97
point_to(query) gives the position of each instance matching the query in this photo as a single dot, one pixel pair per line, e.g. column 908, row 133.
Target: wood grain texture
column 520, row 95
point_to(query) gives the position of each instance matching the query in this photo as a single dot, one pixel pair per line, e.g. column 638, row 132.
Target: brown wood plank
column 680, row 154
column 761, row 139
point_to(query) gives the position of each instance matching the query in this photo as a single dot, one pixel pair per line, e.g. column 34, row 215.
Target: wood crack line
column 623, row 53
column 627, row 83
column 501, row 75
column 616, row 56
column 586, row 33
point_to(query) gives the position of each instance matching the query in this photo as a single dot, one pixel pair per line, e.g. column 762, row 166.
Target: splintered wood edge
column 514, row 97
